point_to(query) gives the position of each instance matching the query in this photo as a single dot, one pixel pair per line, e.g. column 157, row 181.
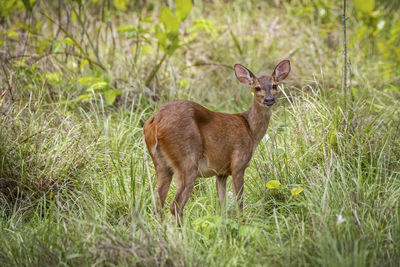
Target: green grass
column 76, row 180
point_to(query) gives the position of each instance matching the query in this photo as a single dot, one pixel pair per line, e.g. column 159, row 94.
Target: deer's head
column 265, row 87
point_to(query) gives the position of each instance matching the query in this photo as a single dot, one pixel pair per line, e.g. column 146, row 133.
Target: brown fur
column 191, row 141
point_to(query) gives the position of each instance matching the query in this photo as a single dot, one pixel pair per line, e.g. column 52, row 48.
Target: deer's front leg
column 238, row 183
column 221, row 188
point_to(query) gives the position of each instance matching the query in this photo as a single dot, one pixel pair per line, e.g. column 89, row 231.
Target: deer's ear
column 281, row 70
column 243, row 74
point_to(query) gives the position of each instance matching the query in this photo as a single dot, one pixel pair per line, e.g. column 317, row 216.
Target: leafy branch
column 168, row 35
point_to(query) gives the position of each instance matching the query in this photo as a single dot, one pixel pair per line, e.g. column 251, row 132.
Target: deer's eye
column 274, row 87
column 257, row 88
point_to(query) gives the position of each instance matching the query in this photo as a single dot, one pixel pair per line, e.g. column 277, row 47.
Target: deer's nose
column 269, row 101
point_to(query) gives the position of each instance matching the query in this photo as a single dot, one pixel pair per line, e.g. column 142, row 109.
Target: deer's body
column 191, row 141
column 225, row 141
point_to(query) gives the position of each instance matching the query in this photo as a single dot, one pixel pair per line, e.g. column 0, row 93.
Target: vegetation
column 79, row 78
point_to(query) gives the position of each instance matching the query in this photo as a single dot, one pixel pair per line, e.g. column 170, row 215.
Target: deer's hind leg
column 164, row 177
column 186, row 171
column 180, row 186
column 190, row 178
column 185, row 161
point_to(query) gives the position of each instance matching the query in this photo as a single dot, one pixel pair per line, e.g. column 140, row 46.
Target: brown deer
column 191, row 141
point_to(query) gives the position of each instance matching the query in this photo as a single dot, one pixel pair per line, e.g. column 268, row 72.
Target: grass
column 76, row 181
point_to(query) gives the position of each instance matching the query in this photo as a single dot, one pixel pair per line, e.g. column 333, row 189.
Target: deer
column 188, row 140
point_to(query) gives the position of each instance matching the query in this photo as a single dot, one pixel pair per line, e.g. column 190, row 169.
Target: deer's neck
column 258, row 117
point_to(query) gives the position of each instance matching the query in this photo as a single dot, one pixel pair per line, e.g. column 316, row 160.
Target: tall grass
column 77, row 185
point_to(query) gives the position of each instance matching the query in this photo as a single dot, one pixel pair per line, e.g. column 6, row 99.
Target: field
column 79, row 79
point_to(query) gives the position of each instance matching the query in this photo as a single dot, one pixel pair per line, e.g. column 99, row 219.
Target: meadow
column 79, row 78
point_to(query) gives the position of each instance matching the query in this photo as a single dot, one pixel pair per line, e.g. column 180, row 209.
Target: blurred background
column 162, row 49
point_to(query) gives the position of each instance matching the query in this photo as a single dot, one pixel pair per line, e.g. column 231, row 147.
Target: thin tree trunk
column 345, row 54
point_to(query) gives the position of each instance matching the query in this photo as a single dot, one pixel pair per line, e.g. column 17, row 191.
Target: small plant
column 168, row 35
column 273, row 184
column 96, row 86
column 296, row 190
column 276, row 187
column 210, row 226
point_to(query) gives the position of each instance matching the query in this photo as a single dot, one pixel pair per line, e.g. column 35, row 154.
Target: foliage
column 375, row 27
column 273, row 184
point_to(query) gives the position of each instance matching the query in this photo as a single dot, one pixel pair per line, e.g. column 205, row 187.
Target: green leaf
column 273, row 184
column 121, row 4
column 333, row 138
column 89, row 80
column 183, row 8
column 183, row 82
column 83, row 98
column 26, row 27
column 365, row 6
column 98, row 85
column 27, row 5
column 172, row 36
column 68, row 41
column 203, row 25
column 297, row 190
column 161, row 37
column 247, row 231
column 393, row 88
column 173, row 46
column 12, row 33
column 53, row 77
column 169, row 20
column 126, row 28
column 147, row 19
column 111, row 95
column 38, row 26
column 354, row 92
column 237, row 44
column 146, row 50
